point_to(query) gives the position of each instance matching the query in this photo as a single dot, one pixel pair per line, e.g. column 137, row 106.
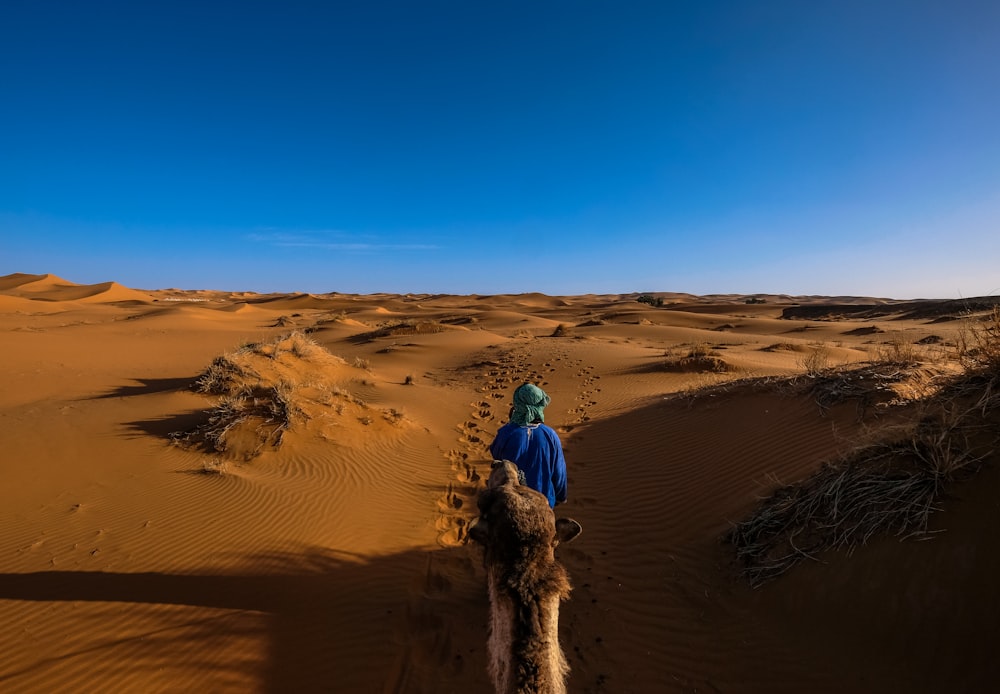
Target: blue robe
column 537, row 451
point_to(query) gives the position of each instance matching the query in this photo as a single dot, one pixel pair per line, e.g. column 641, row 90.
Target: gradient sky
column 561, row 146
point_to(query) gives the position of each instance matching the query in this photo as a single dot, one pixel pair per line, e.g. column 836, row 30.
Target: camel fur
column 519, row 533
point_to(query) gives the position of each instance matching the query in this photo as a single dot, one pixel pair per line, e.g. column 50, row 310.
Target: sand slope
column 337, row 561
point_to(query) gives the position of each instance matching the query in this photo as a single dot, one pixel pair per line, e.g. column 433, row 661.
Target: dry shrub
column 701, row 350
column 214, row 466
column 243, row 425
column 264, row 390
column 780, row 347
column 260, row 395
column 405, row 327
column 561, row 330
column 978, row 347
column 897, row 350
column 699, row 359
column 890, row 485
column 979, row 343
column 816, row 360
column 707, row 364
column 393, row 416
column 867, row 385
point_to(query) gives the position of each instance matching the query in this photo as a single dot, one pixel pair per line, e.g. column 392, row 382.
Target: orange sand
column 336, row 563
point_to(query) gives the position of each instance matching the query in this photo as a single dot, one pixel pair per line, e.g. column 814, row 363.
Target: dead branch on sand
column 892, row 485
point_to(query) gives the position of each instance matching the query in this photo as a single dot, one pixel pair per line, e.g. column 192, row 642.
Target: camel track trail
column 444, row 627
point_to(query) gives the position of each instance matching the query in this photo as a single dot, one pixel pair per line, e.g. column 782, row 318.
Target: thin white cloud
column 321, row 240
column 357, row 246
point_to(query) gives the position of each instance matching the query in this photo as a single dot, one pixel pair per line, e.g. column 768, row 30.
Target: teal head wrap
column 529, row 401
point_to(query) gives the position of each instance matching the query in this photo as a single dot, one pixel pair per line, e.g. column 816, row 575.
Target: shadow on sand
column 331, row 622
column 148, row 386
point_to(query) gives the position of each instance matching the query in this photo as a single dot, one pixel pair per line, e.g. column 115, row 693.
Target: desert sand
column 331, row 555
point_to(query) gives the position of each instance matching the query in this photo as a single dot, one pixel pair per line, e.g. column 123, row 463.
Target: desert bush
column 897, row 350
column 700, row 358
column 893, row 483
column 392, row 416
column 214, row 466
column 978, row 343
column 779, row 347
column 651, row 300
column 701, row 350
column 816, row 360
column 888, row 486
column 561, row 330
column 264, row 390
column 404, row 327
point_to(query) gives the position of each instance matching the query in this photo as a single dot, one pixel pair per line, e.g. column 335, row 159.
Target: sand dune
column 21, row 282
column 52, row 288
column 329, row 553
column 295, row 302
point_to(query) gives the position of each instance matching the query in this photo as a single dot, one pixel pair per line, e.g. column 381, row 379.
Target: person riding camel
column 531, row 445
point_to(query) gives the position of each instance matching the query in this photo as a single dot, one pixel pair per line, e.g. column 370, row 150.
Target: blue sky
column 561, row 146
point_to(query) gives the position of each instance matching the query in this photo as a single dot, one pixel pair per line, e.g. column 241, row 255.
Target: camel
column 519, row 533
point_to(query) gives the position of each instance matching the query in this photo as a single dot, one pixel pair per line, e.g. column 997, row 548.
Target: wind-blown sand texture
column 133, row 560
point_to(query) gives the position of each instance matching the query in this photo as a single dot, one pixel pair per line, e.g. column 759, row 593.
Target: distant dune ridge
column 738, row 461
column 52, row 288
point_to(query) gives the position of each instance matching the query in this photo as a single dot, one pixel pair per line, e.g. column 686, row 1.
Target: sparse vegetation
column 214, row 466
column 979, row 343
column 393, row 416
column 405, row 327
column 894, row 482
column 816, row 360
column 896, row 350
column 699, row 358
column 651, row 300
column 264, row 390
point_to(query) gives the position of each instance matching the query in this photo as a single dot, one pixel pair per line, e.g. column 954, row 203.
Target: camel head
column 510, row 509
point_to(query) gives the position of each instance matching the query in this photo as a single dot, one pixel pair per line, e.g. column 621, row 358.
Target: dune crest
column 51, row 288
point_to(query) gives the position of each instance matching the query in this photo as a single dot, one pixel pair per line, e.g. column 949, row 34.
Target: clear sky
column 467, row 146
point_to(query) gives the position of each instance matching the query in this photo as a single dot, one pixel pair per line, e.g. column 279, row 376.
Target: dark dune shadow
column 331, row 622
column 147, row 386
column 892, row 615
column 653, row 367
column 163, row 427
